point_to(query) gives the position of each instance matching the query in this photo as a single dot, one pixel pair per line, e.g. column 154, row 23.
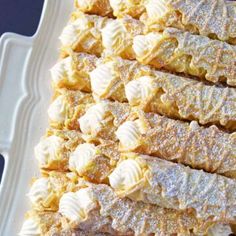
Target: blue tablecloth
column 22, row 17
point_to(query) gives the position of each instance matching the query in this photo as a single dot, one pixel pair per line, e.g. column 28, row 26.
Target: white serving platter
column 24, row 98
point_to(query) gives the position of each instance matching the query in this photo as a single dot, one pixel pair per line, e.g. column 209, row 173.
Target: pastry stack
column 142, row 122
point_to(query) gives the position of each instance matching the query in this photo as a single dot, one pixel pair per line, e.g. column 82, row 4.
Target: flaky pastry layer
column 155, row 91
column 171, row 185
column 172, row 49
column 212, row 18
column 116, row 216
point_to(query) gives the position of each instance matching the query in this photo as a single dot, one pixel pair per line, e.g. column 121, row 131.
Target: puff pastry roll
column 97, row 208
column 180, row 51
column 119, row 8
column 212, row 18
column 164, row 93
column 66, row 151
column 172, row 49
column 52, row 150
column 67, row 106
column 73, row 72
column 93, row 34
column 203, row 148
column 155, row 91
column 171, row 185
column 45, row 192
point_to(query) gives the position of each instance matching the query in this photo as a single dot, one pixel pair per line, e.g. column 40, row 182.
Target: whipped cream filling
column 57, row 110
column 47, row 149
column 30, row 228
column 139, row 90
column 114, row 37
column 126, row 175
column 129, row 134
column 74, row 30
column 143, row 46
column 156, row 9
column 63, row 70
column 76, row 205
column 82, row 157
column 39, row 191
column 95, row 117
column 102, row 78
column 84, row 5
column 116, row 5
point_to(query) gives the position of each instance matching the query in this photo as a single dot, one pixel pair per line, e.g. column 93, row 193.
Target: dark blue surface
column 22, row 17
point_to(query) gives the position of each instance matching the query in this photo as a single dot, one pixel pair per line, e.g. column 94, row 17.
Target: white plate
column 24, row 99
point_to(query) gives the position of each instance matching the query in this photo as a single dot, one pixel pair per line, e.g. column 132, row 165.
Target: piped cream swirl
column 47, row 149
column 143, row 46
column 130, row 134
column 76, row 205
column 102, row 78
column 85, row 5
column 126, row 175
column 30, row 228
column 114, row 36
column 39, row 191
column 57, row 110
column 139, row 90
column 82, row 157
column 156, row 9
column 94, row 118
column 63, row 70
column 74, row 30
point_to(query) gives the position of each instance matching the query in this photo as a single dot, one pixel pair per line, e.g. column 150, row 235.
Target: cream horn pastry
column 172, row 49
column 159, row 92
column 72, row 72
column 52, row 151
column 212, row 18
column 180, row 51
column 46, row 191
column 96, row 208
column 83, row 34
column 164, row 93
column 206, row 148
column 101, row 120
column 65, row 150
column 171, row 185
column 93, row 34
column 95, row 120
column 67, row 106
column 120, row 8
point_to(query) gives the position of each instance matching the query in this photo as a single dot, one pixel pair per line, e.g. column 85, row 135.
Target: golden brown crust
column 174, row 96
column 212, row 18
column 175, row 186
column 172, row 49
column 116, row 216
column 209, row 148
column 180, row 51
column 76, row 103
column 199, row 147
